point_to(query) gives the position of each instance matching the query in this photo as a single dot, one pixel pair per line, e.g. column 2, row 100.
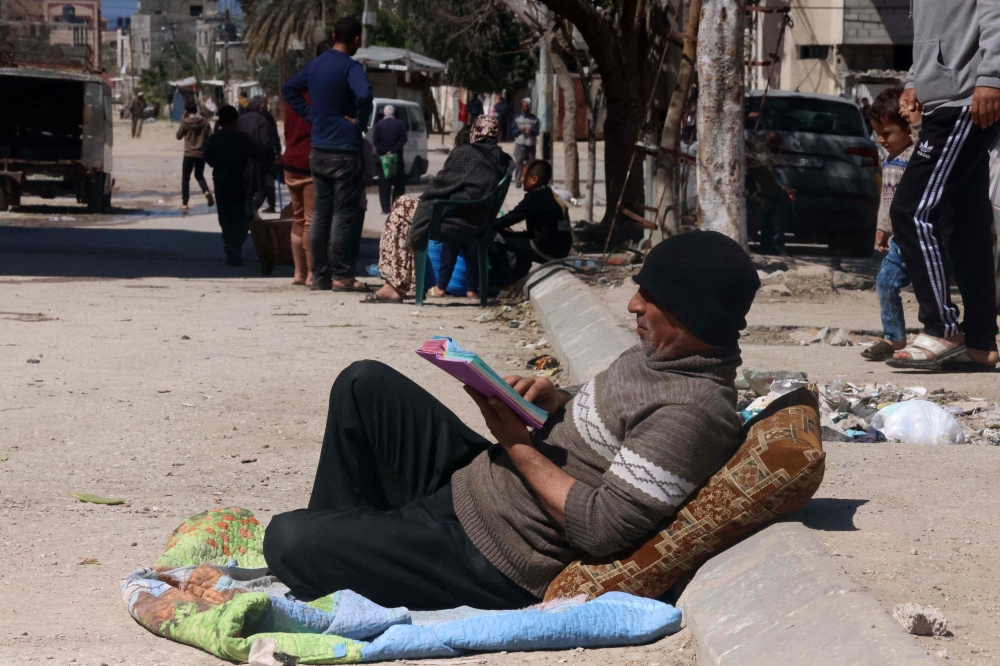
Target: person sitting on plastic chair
column 471, row 172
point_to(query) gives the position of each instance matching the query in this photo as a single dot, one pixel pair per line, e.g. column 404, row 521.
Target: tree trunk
column 570, row 155
column 668, row 219
column 721, row 155
column 591, row 172
column 621, row 130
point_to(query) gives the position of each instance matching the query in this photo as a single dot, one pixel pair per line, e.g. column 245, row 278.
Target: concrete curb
column 776, row 597
column 580, row 328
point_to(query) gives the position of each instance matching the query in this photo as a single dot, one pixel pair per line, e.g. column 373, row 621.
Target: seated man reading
column 410, row 507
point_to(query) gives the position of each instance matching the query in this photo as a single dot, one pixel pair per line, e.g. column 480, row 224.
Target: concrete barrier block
column 580, row 327
column 779, row 598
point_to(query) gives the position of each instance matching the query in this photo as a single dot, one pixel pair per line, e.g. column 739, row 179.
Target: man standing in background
column 258, row 123
column 389, row 138
column 501, row 111
column 526, row 129
column 137, row 111
column 956, row 78
column 341, row 98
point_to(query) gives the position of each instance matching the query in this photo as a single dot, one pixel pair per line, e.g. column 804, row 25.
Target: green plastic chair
column 480, row 214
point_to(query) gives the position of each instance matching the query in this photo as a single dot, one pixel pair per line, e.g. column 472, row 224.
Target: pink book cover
column 463, row 366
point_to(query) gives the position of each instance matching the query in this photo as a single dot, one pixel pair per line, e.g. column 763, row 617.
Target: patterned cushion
column 776, row 470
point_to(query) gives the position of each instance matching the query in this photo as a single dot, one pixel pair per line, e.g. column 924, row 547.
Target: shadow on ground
column 84, row 252
column 828, row 514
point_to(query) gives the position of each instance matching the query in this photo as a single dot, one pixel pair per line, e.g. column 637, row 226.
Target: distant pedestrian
column 898, row 137
column 341, row 98
column 526, row 128
column 242, row 102
column 231, row 154
column 301, row 191
column 943, row 197
column 137, row 112
column 546, row 217
column 474, row 108
column 389, row 139
column 767, row 200
column 258, row 123
column 195, row 131
column 501, row 111
column 866, row 114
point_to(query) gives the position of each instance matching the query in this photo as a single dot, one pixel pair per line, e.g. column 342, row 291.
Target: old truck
column 55, row 137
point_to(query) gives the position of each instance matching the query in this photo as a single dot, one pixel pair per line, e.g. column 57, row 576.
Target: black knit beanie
column 706, row 280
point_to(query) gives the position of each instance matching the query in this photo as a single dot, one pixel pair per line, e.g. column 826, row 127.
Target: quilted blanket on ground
column 209, row 590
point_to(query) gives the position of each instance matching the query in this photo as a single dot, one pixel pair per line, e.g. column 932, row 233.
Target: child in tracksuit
column 898, row 136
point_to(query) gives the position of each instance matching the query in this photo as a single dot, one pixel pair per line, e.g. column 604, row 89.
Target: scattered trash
column 921, row 620
column 97, row 499
column 541, row 344
column 248, row 460
column 373, row 271
column 919, row 422
column 543, row 362
column 759, row 381
column 33, row 360
column 4, row 457
column 89, row 560
column 779, row 289
column 514, row 324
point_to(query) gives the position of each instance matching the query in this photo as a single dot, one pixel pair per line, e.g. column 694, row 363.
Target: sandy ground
column 179, row 384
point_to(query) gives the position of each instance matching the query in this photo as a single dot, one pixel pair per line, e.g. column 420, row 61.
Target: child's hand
column 882, row 240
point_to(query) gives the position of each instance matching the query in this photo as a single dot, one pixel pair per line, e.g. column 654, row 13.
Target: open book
column 468, row 368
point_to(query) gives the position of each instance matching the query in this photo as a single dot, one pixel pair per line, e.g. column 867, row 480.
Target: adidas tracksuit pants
column 943, row 201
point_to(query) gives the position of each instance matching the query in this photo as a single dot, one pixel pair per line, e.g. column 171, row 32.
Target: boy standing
column 898, row 137
column 548, row 236
column 231, row 154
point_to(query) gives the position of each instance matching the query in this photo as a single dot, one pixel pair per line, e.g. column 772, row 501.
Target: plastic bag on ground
column 918, row 422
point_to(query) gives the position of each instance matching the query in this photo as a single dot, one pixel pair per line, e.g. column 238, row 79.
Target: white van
column 412, row 115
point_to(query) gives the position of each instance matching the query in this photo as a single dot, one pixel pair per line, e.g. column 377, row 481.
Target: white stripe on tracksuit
column 925, row 230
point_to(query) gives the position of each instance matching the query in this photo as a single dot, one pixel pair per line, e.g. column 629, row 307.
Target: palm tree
column 272, row 26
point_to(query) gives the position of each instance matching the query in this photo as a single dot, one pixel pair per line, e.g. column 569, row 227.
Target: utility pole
column 721, row 154
column 367, row 25
column 225, row 55
column 543, row 84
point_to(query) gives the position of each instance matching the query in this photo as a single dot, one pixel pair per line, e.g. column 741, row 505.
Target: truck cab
column 56, row 137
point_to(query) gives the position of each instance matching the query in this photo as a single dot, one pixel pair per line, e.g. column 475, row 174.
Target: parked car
column 412, row 115
column 829, row 160
column 55, row 137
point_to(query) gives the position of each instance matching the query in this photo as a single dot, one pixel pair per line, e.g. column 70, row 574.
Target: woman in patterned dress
column 471, row 172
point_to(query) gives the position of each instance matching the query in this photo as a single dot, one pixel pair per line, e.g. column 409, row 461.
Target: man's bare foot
column 983, row 356
column 434, row 292
column 471, row 294
column 947, row 343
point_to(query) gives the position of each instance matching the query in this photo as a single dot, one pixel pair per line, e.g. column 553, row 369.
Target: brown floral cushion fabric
column 774, row 472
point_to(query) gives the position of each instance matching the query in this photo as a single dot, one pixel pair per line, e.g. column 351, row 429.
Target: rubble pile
column 879, row 412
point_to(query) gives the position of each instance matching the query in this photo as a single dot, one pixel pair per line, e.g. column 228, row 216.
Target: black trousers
column 949, row 171
column 390, row 189
column 196, row 164
column 233, row 206
column 263, row 184
column 449, row 257
column 380, row 520
column 339, row 214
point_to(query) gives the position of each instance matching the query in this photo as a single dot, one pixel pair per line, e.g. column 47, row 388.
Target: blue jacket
column 339, row 89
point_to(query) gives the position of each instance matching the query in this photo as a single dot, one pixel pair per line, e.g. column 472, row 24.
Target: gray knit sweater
column 639, row 438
